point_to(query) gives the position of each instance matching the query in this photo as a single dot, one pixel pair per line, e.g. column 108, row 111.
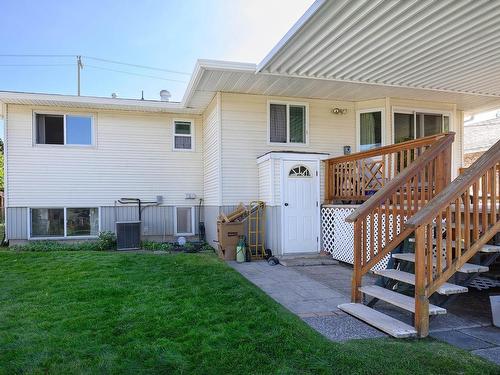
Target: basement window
column 184, row 221
column 183, row 135
column 54, row 129
column 287, row 123
column 64, row 222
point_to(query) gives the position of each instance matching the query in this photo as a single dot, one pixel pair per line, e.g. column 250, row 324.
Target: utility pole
column 79, row 67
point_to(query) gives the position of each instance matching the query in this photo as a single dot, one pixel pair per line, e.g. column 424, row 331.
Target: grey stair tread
column 398, row 299
column 490, row 249
column 379, row 320
column 484, row 249
column 307, row 261
column 409, row 278
column 466, row 268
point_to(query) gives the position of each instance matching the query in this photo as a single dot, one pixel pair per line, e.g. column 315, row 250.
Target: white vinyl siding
column 245, row 134
column 265, row 183
column 211, row 154
column 133, row 158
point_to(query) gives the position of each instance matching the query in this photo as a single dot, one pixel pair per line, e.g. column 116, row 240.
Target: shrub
column 42, row 246
column 156, row 246
column 106, row 241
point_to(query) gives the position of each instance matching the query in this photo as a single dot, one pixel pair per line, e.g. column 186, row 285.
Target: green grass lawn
column 92, row 312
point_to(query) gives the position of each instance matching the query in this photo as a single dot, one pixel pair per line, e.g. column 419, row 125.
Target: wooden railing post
column 328, row 182
column 356, row 276
column 421, row 300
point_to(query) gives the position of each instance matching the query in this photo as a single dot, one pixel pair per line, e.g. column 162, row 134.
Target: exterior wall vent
column 128, row 235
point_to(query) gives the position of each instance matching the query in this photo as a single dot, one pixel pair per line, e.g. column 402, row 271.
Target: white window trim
column 192, row 135
column 65, row 237
column 414, row 111
column 306, row 125
column 192, row 221
column 358, row 125
column 92, row 116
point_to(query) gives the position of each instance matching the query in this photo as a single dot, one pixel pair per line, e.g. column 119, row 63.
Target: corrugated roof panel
column 451, row 45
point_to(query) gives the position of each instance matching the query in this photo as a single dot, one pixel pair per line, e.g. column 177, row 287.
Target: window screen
column 277, row 123
column 184, row 220
column 50, row 129
column 47, row 222
column 297, row 124
column 183, row 135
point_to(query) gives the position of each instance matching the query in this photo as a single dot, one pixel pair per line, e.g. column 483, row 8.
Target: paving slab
column 461, row 340
column 490, row 334
column 343, row 328
column 492, row 354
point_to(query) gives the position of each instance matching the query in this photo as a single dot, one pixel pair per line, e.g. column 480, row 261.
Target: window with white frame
column 63, row 129
column 183, row 135
column 409, row 125
column 184, row 220
column 370, row 124
column 64, row 222
column 287, row 123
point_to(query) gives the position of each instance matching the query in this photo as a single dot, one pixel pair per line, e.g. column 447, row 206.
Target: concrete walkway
column 314, row 292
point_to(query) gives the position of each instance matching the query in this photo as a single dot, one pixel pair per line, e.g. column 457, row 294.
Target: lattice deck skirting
column 338, row 236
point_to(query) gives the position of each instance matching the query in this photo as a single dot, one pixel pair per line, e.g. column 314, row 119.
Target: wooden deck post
column 328, row 182
column 421, row 300
column 356, row 276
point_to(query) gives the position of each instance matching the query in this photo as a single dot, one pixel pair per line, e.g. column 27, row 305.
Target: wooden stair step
column 379, row 320
column 398, row 299
column 466, row 268
column 409, row 278
column 490, row 249
column 484, row 249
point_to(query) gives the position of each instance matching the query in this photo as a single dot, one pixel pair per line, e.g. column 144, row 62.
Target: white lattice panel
column 338, row 236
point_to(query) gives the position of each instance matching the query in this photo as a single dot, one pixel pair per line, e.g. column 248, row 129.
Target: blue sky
column 165, row 34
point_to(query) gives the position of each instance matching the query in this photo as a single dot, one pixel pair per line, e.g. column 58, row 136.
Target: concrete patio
column 314, row 292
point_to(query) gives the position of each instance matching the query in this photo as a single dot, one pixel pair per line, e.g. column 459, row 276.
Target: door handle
column 286, row 204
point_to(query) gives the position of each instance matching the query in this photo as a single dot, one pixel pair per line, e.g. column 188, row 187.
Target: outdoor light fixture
column 338, row 111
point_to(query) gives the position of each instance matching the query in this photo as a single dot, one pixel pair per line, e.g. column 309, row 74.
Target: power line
column 136, row 65
column 102, row 60
column 134, row 74
column 25, row 55
column 37, row 65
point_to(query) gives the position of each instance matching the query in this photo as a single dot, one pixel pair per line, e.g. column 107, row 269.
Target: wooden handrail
column 356, row 177
column 380, row 222
column 391, row 187
column 455, row 189
column 419, row 142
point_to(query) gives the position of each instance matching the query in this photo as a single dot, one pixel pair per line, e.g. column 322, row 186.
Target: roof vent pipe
column 165, row 95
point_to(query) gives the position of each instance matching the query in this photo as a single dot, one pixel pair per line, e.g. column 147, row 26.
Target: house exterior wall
column 245, row 137
column 133, row 156
column 480, row 136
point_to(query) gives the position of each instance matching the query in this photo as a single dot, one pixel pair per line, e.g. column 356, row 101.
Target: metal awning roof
column 446, row 45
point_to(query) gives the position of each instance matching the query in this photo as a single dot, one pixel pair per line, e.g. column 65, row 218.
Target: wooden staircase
column 451, row 221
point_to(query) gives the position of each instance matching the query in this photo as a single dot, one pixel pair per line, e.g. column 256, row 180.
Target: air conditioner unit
column 128, row 235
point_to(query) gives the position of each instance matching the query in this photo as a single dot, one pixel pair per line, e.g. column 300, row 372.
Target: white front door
column 300, row 206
